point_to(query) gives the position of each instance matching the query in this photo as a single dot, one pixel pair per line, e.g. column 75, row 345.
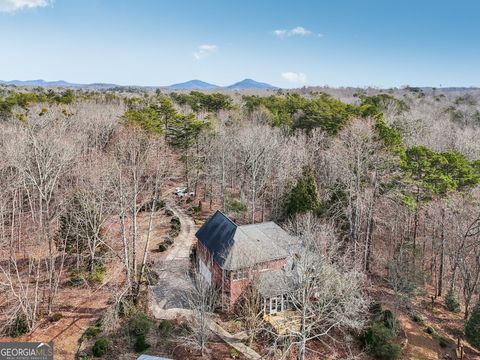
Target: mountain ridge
column 187, row 85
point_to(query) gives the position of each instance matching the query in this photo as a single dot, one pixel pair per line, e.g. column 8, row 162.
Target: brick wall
column 232, row 289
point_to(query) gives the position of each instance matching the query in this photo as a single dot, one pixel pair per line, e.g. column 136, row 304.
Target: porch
column 283, row 322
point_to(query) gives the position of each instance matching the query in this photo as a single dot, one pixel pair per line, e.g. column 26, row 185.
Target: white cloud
column 280, row 33
column 15, row 5
column 204, row 50
column 295, row 77
column 296, row 31
column 300, row 31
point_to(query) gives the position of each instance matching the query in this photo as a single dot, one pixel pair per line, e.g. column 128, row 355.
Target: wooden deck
column 283, row 321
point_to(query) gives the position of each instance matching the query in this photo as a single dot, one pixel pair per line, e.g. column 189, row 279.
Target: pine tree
column 304, row 195
column 472, row 327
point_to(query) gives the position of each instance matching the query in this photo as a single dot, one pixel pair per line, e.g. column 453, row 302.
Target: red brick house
column 230, row 257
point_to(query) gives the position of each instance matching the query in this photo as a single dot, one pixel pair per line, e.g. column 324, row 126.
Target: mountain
column 250, row 84
column 246, row 84
column 193, row 85
column 59, row 83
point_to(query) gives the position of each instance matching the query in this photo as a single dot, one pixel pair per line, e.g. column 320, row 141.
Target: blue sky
column 287, row 43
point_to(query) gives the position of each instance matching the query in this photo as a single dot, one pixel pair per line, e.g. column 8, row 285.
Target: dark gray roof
column 234, row 247
column 217, row 236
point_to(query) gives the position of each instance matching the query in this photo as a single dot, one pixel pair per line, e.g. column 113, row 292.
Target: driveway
column 174, row 280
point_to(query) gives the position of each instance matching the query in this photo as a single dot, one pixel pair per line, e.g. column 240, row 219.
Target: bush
column 92, row 331
column 97, row 274
column 168, row 240
column 444, row 343
column 77, row 277
column 162, row 247
column 416, row 317
column 100, row 347
column 141, row 344
column 165, row 328
column 174, row 221
column 389, row 351
column 451, row 302
column 472, row 327
column 430, row 330
column 234, row 353
column 378, row 341
column 376, row 308
column 20, row 326
column 56, row 317
column 174, row 232
column 168, row 212
column 139, row 324
column 389, row 320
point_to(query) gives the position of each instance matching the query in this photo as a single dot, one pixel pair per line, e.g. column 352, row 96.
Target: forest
column 385, row 184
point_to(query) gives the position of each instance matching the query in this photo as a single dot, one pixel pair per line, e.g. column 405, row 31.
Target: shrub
column 139, row 324
column 430, row 330
column 77, row 277
column 174, row 232
column 165, row 328
column 141, row 344
column 390, row 321
column 376, row 308
column 168, row 240
column 100, row 347
column 92, row 331
column 389, row 351
column 168, row 212
column 416, row 317
column 451, row 302
column 19, row 326
column 175, row 221
column 472, row 327
column 162, row 247
column 234, row 353
column 56, row 317
column 378, row 341
column 97, row 274
column 444, row 343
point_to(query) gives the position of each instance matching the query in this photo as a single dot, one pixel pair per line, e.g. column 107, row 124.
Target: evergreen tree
column 472, row 327
column 304, row 195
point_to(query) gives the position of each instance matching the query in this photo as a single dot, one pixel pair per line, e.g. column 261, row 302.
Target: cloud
column 295, row 77
column 204, row 50
column 296, row 31
column 15, row 5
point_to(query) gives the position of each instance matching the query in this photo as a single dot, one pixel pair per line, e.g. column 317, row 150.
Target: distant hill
column 245, row 84
column 250, row 84
column 59, row 83
column 193, row 85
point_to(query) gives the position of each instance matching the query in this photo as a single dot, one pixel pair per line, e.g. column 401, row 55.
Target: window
column 240, row 274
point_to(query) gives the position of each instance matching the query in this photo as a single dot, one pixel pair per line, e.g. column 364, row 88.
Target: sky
column 381, row 43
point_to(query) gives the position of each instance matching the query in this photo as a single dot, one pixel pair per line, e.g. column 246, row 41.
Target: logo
column 26, row 351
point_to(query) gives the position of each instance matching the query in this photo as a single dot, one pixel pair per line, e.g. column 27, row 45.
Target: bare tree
column 329, row 291
column 201, row 299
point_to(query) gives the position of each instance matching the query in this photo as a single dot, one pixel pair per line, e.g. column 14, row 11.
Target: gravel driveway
column 174, row 281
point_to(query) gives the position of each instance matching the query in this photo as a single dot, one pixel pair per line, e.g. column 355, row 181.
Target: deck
column 284, row 321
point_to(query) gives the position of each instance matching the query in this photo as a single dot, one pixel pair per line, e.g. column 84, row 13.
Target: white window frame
column 240, row 274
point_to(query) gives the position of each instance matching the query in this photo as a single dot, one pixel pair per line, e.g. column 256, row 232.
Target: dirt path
column 173, row 268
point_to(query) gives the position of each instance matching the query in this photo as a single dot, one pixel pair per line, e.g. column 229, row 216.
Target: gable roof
column 235, row 247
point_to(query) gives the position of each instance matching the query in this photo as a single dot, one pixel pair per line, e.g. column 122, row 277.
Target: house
column 231, row 257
